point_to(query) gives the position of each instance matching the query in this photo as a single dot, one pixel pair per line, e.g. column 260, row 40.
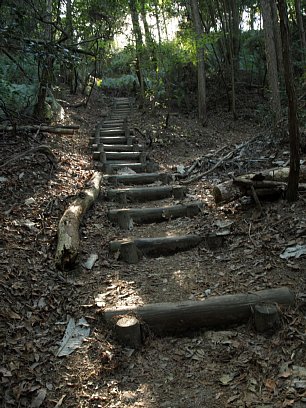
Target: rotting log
column 68, row 241
column 214, row 312
column 157, row 214
column 142, row 194
column 140, row 178
column 158, row 246
column 269, row 183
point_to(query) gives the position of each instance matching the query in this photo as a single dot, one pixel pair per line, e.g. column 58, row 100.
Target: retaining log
column 157, row 214
column 142, row 194
column 68, row 241
column 110, row 168
column 158, row 246
column 140, row 178
column 214, row 312
column 119, row 147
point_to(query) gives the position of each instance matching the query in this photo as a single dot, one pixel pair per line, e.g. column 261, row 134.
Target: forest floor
column 233, row 367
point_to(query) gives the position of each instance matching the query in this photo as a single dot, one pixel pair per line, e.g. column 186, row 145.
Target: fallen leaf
column 225, row 379
column 60, row 401
column 270, row 384
column 39, row 399
column 74, row 335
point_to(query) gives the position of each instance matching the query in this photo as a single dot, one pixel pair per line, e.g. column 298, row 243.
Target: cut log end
column 266, row 317
column 128, row 332
column 130, row 253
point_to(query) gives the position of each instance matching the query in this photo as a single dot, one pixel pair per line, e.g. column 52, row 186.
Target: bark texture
column 68, row 229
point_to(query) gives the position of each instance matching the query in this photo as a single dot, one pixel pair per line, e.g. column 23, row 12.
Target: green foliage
column 18, row 98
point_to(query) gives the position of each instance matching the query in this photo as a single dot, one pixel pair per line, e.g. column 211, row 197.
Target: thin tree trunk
column 157, row 21
column 293, row 180
column 148, row 36
column 202, row 110
column 271, row 60
column 277, row 39
column 46, row 64
column 69, row 27
column 139, row 46
column 299, row 20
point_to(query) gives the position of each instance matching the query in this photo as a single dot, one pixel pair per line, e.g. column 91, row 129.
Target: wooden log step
column 154, row 214
column 118, row 139
column 120, row 147
column 140, row 178
column 214, row 312
column 112, row 132
column 112, row 125
column 112, row 121
column 153, row 247
column 142, row 194
column 121, row 112
column 111, row 168
column 118, row 157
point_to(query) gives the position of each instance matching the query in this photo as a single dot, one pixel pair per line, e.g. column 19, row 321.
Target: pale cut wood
column 68, row 241
column 214, row 312
column 128, row 331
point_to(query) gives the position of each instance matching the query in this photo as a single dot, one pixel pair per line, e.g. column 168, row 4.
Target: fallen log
column 68, row 228
column 59, row 129
column 214, row 312
column 269, row 183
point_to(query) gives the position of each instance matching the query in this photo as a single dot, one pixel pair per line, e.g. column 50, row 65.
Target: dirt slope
column 234, row 367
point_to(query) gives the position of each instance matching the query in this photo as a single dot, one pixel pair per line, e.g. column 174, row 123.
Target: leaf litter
column 236, row 367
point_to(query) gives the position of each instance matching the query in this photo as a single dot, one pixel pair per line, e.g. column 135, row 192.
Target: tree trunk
column 299, row 20
column 198, row 27
column 157, row 21
column 293, row 180
column 46, row 64
column 271, row 60
column 277, row 39
column 139, row 46
column 72, row 74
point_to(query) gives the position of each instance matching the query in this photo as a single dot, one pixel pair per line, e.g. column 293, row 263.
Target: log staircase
column 133, row 178
column 135, row 185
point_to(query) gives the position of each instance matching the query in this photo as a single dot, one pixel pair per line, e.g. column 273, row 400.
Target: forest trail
column 232, row 367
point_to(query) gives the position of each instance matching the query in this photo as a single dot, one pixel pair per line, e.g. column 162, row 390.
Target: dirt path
column 235, row 367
